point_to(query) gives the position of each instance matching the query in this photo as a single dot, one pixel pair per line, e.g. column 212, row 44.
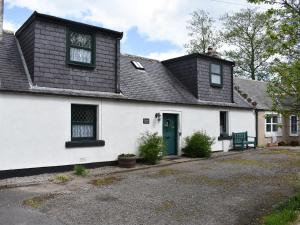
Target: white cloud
column 166, row 55
column 7, row 25
column 155, row 19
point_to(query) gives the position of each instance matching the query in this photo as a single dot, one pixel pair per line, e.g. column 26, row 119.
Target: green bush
column 198, row 145
column 80, row 170
column 294, row 143
column 152, row 147
column 282, row 143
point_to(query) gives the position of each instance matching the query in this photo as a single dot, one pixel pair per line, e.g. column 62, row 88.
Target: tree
column 246, row 32
column 202, row 32
column 285, row 88
column 284, row 27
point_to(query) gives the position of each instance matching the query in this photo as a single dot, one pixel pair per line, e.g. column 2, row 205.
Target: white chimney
column 1, row 18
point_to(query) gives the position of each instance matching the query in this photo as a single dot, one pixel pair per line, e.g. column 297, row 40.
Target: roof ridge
column 36, row 14
column 8, row 31
column 261, row 81
column 140, row 57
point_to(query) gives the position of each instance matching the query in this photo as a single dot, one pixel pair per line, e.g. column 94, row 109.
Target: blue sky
column 155, row 29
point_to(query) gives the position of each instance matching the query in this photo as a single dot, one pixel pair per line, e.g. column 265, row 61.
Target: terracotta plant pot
column 127, row 160
column 272, row 144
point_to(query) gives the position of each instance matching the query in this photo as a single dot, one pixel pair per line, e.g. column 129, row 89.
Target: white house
column 67, row 96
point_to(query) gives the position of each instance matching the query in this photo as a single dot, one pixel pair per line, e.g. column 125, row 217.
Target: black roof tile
column 12, row 73
column 256, row 90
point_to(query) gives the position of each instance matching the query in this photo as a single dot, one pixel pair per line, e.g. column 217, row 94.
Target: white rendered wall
column 34, row 129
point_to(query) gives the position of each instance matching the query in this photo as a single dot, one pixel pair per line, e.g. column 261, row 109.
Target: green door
column 170, row 133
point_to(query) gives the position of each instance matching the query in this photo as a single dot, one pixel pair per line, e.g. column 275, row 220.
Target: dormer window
column 80, row 48
column 137, row 65
column 216, row 75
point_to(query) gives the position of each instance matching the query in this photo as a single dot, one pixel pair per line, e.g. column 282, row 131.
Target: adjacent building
column 272, row 128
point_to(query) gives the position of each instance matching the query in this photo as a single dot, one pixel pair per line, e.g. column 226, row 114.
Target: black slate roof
column 256, row 90
column 12, row 73
column 154, row 84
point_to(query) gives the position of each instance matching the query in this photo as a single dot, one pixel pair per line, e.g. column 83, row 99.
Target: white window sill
column 272, row 135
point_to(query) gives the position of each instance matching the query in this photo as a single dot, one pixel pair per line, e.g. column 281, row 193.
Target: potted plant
column 127, row 160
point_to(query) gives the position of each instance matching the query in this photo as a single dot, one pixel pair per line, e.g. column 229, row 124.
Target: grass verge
column 285, row 214
column 165, row 173
column 105, row 181
column 61, row 179
column 37, row 202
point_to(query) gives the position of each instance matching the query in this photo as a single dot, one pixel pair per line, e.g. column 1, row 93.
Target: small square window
column 216, row 75
column 84, row 119
column 80, row 48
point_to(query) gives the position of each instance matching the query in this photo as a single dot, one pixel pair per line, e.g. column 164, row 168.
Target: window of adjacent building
column 293, row 125
column 216, row 74
column 80, row 48
column 272, row 125
column 223, row 123
column 84, row 120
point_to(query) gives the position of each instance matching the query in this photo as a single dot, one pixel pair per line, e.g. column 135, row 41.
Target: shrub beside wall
column 152, row 147
column 198, row 145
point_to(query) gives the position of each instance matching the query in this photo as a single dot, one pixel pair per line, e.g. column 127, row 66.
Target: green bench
column 240, row 140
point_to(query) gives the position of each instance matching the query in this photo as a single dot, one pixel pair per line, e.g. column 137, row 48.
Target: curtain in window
column 216, row 79
column 80, row 55
column 80, row 131
column 83, row 122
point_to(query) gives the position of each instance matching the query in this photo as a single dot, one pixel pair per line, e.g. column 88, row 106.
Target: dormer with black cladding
column 65, row 54
column 208, row 78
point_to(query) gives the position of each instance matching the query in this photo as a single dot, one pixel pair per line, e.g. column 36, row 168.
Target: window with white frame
column 272, row 125
column 293, row 125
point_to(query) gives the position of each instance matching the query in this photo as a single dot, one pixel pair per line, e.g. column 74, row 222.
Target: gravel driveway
column 236, row 189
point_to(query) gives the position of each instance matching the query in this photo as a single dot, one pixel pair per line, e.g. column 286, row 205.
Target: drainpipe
column 256, row 126
column 1, row 18
column 232, row 85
